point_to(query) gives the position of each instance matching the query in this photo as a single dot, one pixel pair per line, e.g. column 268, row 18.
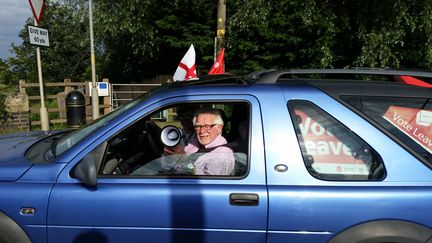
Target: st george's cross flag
column 186, row 70
column 218, row 66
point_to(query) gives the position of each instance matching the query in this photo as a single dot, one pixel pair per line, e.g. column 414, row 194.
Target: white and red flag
column 186, row 70
column 218, row 65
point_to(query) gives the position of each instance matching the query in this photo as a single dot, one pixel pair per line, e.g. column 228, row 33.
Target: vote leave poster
column 415, row 123
column 330, row 155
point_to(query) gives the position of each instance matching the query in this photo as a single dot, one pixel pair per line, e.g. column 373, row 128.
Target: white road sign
column 38, row 36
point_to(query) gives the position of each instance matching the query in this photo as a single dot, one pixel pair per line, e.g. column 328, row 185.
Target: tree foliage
column 68, row 53
column 141, row 38
column 326, row 34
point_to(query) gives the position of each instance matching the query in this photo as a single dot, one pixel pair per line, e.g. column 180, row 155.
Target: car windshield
column 66, row 142
column 48, row 149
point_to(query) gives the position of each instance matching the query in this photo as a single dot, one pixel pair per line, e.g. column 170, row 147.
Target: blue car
column 301, row 156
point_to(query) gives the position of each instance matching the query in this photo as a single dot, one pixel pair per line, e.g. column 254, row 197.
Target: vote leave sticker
column 330, row 154
column 415, row 123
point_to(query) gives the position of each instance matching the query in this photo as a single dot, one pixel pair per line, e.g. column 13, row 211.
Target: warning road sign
column 37, row 8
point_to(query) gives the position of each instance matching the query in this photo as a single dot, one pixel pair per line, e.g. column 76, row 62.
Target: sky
column 13, row 16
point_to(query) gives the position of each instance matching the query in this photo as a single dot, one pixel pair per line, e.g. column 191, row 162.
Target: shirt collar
column 219, row 140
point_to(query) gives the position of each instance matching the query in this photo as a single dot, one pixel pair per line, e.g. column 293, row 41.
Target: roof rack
column 272, row 76
column 212, row 80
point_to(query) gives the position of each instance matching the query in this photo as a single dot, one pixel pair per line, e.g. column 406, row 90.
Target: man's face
column 206, row 136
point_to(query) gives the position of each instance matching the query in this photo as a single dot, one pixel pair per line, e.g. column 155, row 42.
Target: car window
column 66, row 142
column 408, row 119
column 330, row 150
column 150, row 146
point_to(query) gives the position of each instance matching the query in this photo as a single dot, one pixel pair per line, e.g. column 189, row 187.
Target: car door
column 340, row 172
column 126, row 208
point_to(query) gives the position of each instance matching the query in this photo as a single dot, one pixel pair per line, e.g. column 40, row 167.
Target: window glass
column 66, row 142
column 187, row 139
column 408, row 119
column 56, row 145
column 330, row 150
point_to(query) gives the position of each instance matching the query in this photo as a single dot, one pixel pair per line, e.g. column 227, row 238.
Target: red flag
column 186, row 70
column 218, row 66
column 414, row 81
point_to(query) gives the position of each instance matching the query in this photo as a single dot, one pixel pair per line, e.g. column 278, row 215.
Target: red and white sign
column 415, row 123
column 37, row 7
column 330, row 155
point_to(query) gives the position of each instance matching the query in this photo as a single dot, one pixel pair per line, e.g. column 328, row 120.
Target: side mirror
column 86, row 172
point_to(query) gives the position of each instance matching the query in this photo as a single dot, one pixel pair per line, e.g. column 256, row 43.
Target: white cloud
column 13, row 16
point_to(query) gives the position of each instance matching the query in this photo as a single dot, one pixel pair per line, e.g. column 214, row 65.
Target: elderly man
column 217, row 159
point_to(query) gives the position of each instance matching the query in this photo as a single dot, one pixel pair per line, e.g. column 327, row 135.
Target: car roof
column 335, row 82
column 338, row 82
column 275, row 76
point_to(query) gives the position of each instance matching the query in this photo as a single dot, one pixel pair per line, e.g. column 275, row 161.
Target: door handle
column 244, row 199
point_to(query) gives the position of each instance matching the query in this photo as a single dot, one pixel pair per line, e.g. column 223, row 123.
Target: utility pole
column 220, row 28
column 94, row 93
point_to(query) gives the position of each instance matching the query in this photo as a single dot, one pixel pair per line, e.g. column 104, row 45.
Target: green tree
column 280, row 34
column 137, row 39
column 144, row 38
column 68, row 53
column 6, row 77
column 310, row 33
column 394, row 33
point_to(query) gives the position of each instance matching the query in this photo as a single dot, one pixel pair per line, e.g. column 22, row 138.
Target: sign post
column 37, row 8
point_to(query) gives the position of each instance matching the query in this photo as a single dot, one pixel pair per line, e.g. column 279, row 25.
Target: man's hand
column 178, row 149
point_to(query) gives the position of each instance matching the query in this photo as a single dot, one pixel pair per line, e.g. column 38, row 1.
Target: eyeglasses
column 205, row 126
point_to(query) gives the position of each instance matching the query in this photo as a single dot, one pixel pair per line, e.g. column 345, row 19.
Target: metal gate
column 124, row 93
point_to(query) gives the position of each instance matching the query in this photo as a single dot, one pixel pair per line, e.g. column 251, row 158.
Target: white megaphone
column 171, row 136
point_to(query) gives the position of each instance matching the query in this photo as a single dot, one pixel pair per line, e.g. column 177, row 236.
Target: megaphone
column 171, row 135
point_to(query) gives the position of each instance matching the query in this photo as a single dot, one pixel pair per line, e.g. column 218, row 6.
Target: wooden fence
column 67, row 86
column 31, row 91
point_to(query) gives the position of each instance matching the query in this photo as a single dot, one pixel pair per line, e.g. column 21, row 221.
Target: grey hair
column 217, row 113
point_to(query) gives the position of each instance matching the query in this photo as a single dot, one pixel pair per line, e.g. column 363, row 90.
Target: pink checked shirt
column 219, row 161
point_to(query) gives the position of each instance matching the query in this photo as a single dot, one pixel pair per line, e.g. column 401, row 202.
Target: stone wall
column 17, row 117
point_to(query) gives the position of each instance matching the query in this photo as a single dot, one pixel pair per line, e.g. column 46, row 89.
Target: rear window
column 408, row 119
column 331, row 151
